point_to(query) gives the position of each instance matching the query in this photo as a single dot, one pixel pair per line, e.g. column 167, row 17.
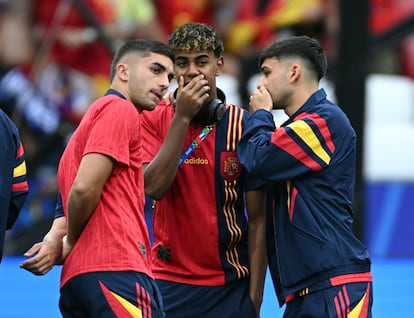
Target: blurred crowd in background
column 55, row 57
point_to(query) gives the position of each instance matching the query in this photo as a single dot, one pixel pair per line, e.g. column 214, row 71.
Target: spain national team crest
column 230, row 166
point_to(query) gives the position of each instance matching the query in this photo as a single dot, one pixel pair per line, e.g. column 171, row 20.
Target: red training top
column 115, row 237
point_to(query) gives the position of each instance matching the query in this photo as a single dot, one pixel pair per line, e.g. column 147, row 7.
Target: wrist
column 179, row 118
column 69, row 240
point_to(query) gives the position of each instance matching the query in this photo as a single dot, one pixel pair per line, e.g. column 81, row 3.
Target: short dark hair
column 196, row 37
column 142, row 46
column 303, row 47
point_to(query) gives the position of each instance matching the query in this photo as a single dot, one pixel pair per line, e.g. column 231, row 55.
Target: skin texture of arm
column 256, row 205
column 44, row 255
column 160, row 173
column 85, row 193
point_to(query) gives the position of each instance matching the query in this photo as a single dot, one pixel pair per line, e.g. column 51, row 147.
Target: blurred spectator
column 34, row 114
column 385, row 15
column 138, row 19
column 173, row 13
column 256, row 23
column 32, row 111
column 15, row 28
column 77, row 35
column 77, row 39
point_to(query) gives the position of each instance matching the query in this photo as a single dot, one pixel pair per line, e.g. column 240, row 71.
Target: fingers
column 33, row 250
column 260, row 99
column 43, row 257
column 192, row 96
column 38, row 265
column 181, row 83
column 202, row 91
column 197, row 86
column 38, row 270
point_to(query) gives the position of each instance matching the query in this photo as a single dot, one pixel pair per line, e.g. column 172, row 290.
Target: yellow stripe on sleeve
column 20, row 170
column 305, row 132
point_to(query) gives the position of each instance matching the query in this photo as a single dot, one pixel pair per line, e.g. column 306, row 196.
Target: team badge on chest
column 230, row 166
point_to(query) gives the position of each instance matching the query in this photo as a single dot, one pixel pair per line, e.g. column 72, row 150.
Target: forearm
column 93, row 172
column 54, row 238
column 256, row 208
column 258, row 263
column 160, row 172
column 81, row 204
column 57, row 231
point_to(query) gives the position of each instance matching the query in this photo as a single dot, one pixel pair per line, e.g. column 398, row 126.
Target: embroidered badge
column 164, row 253
column 230, row 166
column 142, row 249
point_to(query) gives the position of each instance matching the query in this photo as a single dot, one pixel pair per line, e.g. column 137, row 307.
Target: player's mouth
column 157, row 93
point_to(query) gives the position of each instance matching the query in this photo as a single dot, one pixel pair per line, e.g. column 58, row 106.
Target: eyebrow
column 201, row 56
column 161, row 66
column 171, row 75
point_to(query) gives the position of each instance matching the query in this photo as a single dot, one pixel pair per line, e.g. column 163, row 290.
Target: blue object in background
column 389, row 219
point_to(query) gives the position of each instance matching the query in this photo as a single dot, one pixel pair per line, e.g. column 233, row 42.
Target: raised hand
column 260, row 99
column 191, row 96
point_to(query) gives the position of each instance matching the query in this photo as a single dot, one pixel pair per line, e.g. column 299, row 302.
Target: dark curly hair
column 196, row 37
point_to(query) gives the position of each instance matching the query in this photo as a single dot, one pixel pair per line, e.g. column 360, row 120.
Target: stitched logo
column 142, row 249
column 230, row 166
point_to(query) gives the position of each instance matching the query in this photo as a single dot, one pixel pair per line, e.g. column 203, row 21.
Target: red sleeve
column 115, row 126
column 154, row 128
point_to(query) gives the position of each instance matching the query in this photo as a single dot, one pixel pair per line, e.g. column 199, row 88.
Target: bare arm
column 85, row 193
column 160, row 173
column 256, row 205
column 44, row 255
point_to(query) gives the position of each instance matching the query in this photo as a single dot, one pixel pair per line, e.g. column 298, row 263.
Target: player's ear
column 220, row 65
column 122, row 71
column 295, row 72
